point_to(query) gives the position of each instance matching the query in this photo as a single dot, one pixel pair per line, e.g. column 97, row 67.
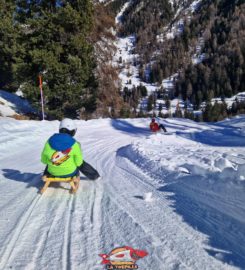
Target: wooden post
column 41, row 91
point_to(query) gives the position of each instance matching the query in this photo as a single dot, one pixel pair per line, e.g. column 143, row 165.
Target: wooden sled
column 74, row 182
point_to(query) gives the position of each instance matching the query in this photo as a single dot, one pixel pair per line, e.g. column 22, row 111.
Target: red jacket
column 154, row 126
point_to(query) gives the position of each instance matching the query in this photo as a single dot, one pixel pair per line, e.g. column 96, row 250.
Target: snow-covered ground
column 179, row 196
column 240, row 97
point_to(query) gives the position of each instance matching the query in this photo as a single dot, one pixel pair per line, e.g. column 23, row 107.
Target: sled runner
column 73, row 181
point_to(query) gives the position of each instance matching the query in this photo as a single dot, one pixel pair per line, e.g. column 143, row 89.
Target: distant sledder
column 63, row 156
column 154, row 126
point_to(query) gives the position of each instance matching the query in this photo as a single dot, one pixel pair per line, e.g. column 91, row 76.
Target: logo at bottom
column 123, row 258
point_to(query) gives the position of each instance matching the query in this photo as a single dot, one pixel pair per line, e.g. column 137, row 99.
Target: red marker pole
column 41, row 91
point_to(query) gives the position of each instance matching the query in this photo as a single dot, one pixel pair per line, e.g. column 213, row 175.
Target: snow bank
column 11, row 104
column 180, row 156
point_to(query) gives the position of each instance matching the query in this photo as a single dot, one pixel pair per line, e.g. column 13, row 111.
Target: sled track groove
column 17, row 232
column 39, row 252
column 92, row 207
column 66, row 251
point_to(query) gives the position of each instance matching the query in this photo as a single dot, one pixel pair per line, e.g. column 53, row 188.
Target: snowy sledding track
column 133, row 204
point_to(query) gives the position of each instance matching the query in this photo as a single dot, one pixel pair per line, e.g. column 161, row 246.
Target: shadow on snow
column 126, row 127
column 33, row 180
column 226, row 234
column 216, row 135
column 215, row 138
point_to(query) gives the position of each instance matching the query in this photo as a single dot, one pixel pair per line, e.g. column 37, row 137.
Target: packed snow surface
column 179, row 196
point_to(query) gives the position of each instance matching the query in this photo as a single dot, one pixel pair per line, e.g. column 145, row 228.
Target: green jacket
column 62, row 154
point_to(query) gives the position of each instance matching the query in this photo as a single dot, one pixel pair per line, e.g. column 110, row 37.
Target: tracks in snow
column 60, row 231
column 11, row 242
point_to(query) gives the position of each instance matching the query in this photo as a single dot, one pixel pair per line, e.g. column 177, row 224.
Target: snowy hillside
column 127, row 61
column 12, row 104
column 172, row 64
column 178, row 196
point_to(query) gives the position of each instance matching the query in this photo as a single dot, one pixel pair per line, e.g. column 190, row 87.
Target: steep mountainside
column 202, row 42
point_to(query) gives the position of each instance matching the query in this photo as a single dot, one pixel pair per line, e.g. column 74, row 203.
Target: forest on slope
column 218, row 25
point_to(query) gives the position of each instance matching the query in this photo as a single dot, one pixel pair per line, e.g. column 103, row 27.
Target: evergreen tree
column 160, row 107
column 143, row 90
column 10, row 50
column 189, row 115
column 150, row 103
column 207, row 114
column 178, row 112
column 56, row 44
column 234, row 108
column 167, row 103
